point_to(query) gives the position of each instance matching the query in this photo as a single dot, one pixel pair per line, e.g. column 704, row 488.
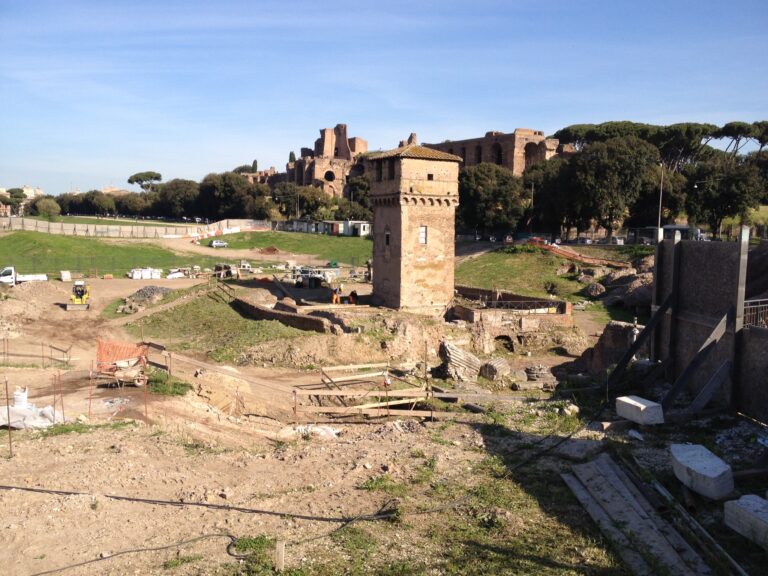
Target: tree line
column 614, row 178
column 218, row 196
column 611, row 179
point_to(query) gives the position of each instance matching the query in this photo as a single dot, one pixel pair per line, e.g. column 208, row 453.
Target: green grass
column 180, row 561
column 384, row 483
column 162, row 384
column 36, row 252
column 758, row 216
column 210, row 326
column 81, row 428
column 626, row 253
column 524, row 273
column 350, row 250
column 104, row 221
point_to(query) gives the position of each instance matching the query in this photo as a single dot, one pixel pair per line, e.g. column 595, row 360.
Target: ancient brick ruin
column 328, row 164
column 516, row 151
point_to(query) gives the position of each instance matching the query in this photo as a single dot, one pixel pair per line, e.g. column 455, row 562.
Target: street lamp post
column 661, row 192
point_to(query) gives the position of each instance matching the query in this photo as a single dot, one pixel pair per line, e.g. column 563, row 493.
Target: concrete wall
column 300, row 321
column 751, row 393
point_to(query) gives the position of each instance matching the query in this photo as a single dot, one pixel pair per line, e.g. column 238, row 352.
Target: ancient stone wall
column 414, row 193
column 300, row 321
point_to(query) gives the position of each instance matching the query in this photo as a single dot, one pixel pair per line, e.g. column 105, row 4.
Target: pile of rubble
column 629, row 287
column 142, row 298
column 464, row 366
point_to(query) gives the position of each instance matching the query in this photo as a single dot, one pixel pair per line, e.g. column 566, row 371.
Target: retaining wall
column 300, row 321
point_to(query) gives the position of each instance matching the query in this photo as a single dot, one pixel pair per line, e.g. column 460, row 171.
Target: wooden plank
column 387, row 403
column 407, row 392
column 704, row 350
column 646, row 332
column 328, row 381
column 709, row 389
column 414, row 393
column 355, row 367
column 353, row 377
column 352, row 411
column 622, row 544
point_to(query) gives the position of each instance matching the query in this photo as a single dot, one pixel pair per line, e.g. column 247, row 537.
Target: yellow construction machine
column 81, row 293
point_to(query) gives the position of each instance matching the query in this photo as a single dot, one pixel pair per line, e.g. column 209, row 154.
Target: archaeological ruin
column 328, row 163
column 516, row 151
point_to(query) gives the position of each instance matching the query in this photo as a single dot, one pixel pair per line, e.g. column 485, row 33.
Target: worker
column 353, row 297
column 337, row 295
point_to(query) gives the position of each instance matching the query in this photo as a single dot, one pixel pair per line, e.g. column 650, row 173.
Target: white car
column 218, row 244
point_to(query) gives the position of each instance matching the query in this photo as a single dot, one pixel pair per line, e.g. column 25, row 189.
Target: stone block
column 701, row 471
column 639, row 410
column 749, row 517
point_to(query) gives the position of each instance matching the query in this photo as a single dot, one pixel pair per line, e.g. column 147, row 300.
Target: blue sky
column 94, row 91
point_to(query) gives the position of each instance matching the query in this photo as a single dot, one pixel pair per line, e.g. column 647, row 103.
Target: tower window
column 430, row 176
column 422, row 234
column 386, row 238
column 391, row 169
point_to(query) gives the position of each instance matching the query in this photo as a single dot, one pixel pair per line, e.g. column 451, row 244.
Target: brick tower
column 414, row 191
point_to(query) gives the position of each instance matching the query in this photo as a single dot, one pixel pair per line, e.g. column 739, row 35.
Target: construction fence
column 15, row 352
column 117, row 228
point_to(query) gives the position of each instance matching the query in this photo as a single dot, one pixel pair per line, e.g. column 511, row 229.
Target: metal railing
column 756, row 313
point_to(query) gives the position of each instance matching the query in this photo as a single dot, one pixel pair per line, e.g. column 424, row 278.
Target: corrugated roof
column 415, row 151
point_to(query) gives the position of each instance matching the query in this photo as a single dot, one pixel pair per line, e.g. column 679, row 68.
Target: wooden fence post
column 8, row 413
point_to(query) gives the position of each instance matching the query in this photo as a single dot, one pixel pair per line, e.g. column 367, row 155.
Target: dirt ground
column 229, row 442
column 234, row 443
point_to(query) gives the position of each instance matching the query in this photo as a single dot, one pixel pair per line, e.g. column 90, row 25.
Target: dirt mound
column 269, row 250
column 27, row 302
column 32, row 290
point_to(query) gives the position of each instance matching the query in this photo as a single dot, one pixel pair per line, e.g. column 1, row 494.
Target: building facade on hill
column 516, row 151
column 328, row 164
column 414, row 192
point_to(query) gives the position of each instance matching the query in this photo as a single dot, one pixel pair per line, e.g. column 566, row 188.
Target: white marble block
column 749, row 517
column 639, row 410
column 701, row 471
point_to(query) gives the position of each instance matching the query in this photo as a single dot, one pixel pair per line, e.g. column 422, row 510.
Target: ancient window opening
column 464, row 155
column 422, row 235
column 478, row 154
column 391, row 169
column 497, row 155
column 379, row 169
column 386, row 238
column 330, row 176
column 430, row 176
column 335, row 152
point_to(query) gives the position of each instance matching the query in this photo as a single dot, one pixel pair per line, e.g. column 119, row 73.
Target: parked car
column 583, row 240
column 218, row 244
